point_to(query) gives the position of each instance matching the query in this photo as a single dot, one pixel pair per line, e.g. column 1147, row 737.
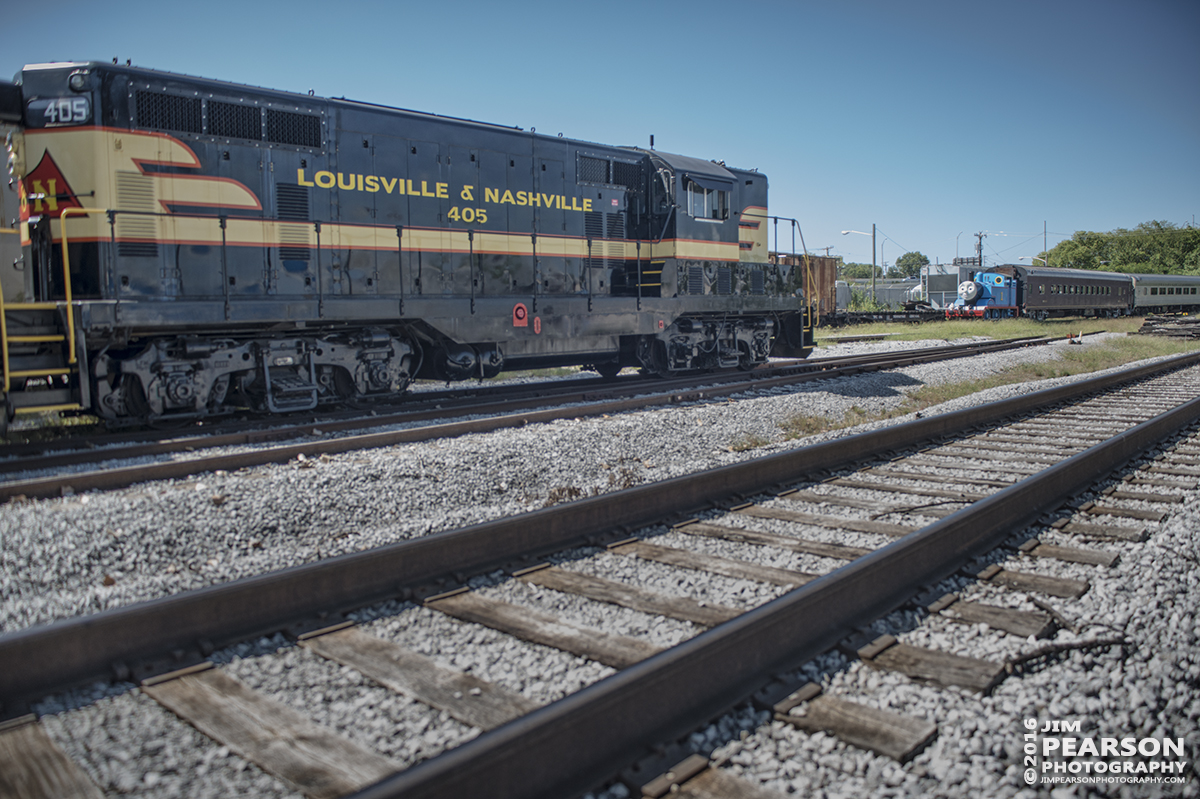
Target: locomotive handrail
column 809, row 295
column 49, row 305
column 71, row 359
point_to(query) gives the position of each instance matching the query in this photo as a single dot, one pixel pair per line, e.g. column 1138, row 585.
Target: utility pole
column 979, row 248
column 872, row 265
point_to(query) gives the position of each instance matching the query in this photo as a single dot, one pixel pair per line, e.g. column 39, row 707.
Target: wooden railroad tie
column 36, row 768
column 883, row 732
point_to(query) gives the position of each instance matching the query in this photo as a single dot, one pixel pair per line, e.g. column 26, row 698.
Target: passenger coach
column 1165, row 293
column 1074, row 292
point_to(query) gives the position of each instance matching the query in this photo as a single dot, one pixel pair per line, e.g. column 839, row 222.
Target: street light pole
column 873, row 263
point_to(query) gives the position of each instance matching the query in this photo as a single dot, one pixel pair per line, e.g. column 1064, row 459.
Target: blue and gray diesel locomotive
column 192, row 247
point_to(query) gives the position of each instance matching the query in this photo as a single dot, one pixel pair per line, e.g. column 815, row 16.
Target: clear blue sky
column 926, row 118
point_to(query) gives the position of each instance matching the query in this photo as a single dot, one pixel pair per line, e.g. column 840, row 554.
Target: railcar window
column 707, row 203
column 1041, row 288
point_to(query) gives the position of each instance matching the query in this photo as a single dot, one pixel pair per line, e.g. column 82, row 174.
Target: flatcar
column 193, row 247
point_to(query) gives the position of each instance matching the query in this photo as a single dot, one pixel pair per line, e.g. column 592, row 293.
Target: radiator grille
column 614, row 251
column 301, row 130
column 695, row 280
column 135, row 192
column 291, row 202
column 724, row 280
column 169, row 112
column 626, row 175
column 758, row 282
column 593, row 225
column 592, row 170
column 616, row 225
column 234, row 121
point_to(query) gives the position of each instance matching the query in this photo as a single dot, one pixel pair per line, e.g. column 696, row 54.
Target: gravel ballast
column 88, row 552
column 84, row 553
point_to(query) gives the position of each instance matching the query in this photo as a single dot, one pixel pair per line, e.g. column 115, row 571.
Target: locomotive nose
column 968, row 290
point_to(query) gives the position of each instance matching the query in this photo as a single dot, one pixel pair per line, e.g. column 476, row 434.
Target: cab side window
column 706, row 203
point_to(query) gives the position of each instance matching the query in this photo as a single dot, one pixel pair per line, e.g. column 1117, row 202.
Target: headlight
column 78, row 80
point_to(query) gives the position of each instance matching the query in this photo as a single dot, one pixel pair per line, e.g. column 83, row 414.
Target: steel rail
column 421, row 406
column 578, row 742
column 418, row 406
column 46, row 658
column 163, row 470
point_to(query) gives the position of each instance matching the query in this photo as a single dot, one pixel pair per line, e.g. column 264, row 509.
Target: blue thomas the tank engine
column 989, row 295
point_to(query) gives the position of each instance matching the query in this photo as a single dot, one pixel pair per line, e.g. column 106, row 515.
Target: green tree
column 1151, row 248
column 909, row 264
column 860, row 272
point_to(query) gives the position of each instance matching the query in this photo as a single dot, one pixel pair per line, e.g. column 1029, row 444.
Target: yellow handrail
column 67, row 273
column 71, row 359
column 4, row 342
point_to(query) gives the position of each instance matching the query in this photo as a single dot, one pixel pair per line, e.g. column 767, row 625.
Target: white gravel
column 80, row 554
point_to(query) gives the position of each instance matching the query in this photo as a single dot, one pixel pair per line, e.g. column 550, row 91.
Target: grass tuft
column 747, row 441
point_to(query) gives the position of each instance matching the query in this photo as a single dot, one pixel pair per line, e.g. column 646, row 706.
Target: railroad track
column 45, row 470
column 924, row 501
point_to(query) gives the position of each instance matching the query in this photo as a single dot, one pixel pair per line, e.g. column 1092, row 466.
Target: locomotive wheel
column 136, row 404
column 745, row 360
column 343, row 384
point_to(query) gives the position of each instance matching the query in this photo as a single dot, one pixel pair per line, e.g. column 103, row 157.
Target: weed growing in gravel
column 1072, row 361
column 747, row 441
column 562, row 494
column 952, row 329
column 801, row 425
column 857, row 415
